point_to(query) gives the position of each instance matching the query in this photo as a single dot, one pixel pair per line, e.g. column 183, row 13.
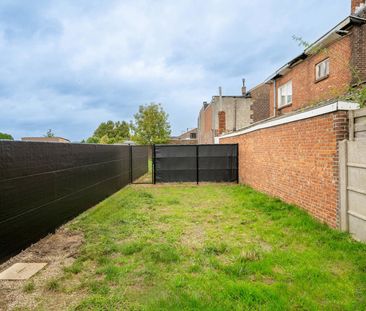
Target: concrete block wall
column 297, row 162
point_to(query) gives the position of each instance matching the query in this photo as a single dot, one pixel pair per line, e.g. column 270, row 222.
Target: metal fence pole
column 153, row 164
column 237, row 163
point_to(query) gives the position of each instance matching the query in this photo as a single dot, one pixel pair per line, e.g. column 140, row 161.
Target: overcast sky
column 68, row 65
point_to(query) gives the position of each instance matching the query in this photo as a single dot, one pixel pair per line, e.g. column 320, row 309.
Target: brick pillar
column 222, row 122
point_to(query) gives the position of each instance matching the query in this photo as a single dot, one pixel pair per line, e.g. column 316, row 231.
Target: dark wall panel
column 43, row 185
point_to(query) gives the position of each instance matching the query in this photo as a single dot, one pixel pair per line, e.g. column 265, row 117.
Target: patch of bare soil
column 194, row 237
column 58, row 250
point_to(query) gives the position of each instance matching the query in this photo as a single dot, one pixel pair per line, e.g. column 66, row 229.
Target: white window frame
column 285, row 94
column 322, row 70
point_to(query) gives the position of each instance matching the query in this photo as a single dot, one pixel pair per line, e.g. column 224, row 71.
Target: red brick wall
column 297, row 162
column 222, row 121
column 359, row 52
column 260, row 106
column 306, row 91
column 355, row 4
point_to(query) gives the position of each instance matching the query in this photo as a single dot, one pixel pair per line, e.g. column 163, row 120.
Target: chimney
column 243, row 88
column 357, row 4
column 220, row 98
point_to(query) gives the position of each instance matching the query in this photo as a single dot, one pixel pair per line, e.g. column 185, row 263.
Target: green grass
column 211, row 247
column 29, row 287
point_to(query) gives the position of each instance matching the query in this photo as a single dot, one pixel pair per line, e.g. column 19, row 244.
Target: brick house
column 325, row 70
column 222, row 115
column 294, row 154
column 260, row 107
column 187, row 138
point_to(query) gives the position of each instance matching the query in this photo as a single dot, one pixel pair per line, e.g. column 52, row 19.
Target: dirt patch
column 194, row 237
column 59, row 250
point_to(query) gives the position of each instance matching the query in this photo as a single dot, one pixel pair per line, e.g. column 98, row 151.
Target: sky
column 69, row 65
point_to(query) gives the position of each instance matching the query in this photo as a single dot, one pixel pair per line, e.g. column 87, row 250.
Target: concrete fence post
column 351, row 125
column 343, row 183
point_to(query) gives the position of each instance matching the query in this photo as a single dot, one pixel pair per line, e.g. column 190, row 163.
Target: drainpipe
column 274, row 98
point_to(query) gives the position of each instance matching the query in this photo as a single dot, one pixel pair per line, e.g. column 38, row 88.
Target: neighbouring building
column 261, row 105
column 325, row 70
column 189, row 137
column 224, row 114
column 295, row 153
column 46, row 139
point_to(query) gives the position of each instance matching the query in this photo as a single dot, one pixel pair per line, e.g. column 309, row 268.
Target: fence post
column 237, row 163
column 343, row 184
column 197, row 165
column 153, row 164
column 351, row 125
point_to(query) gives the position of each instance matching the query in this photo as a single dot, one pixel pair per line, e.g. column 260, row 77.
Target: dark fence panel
column 43, row 185
column 195, row 163
column 218, row 163
column 140, row 160
column 175, row 163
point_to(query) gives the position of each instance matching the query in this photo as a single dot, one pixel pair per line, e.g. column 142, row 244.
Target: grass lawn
column 211, row 247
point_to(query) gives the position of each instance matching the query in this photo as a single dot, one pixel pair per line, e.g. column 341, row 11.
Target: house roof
column 334, row 34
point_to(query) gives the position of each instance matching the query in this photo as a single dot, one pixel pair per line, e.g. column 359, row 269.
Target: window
column 322, row 70
column 285, row 94
column 193, row 135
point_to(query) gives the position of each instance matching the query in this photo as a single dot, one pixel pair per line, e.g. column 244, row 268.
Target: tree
column 151, row 125
column 6, row 136
column 110, row 133
column 49, row 133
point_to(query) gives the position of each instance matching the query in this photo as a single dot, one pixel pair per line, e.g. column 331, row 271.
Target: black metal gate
column 195, row 163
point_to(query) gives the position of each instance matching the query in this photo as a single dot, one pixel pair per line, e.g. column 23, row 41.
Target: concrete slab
column 21, row 271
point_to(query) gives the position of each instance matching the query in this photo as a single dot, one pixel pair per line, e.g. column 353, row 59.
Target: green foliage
column 6, row 136
column 312, row 50
column 151, row 125
column 50, row 133
column 93, row 140
column 110, row 133
column 358, row 95
column 53, row 285
column 29, row 287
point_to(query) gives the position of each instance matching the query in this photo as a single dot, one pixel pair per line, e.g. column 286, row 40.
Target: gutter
column 293, row 117
column 337, row 32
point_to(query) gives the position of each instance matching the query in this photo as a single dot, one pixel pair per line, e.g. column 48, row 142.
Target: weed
column 53, row 285
column 29, row 287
